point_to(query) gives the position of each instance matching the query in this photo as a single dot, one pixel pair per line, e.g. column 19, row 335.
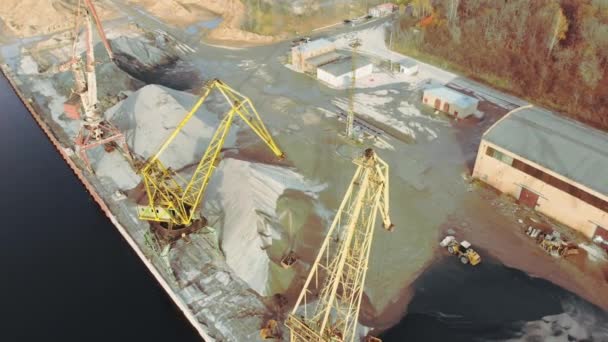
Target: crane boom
column 99, row 28
column 175, row 203
column 327, row 309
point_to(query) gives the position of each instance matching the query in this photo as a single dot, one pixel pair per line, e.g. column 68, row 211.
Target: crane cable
column 76, row 29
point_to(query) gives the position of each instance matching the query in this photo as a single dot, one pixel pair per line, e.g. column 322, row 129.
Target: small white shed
column 408, row 67
column 339, row 74
column 450, row 101
column 382, row 10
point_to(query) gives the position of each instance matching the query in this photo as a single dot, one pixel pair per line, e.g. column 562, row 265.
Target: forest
column 553, row 53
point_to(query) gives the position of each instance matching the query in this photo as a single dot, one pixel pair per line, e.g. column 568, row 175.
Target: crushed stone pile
column 136, row 49
column 240, row 192
column 152, row 63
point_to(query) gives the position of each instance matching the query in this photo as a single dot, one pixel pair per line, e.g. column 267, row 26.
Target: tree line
column 552, row 52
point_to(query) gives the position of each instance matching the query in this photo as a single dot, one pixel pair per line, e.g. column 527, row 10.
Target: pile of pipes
column 552, row 242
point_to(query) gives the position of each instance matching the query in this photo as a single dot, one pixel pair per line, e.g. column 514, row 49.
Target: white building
column 450, row 101
column 383, row 10
column 408, row 67
column 339, row 74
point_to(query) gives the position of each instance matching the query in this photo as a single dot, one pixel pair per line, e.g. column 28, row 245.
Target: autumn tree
column 560, row 28
column 422, row 8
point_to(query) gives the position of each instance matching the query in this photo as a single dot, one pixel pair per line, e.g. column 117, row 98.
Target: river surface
column 70, row 276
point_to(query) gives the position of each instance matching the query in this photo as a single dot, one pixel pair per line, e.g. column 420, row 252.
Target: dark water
column 465, row 303
column 67, row 274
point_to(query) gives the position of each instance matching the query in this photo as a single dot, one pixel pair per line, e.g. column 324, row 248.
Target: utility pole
column 390, row 47
column 351, row 105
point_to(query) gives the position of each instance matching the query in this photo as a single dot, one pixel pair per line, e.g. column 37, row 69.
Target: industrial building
column 408, row 67
column 340, row 73
column 382, row 10
column 309, row 56
column 552, row 164
column 450, row 101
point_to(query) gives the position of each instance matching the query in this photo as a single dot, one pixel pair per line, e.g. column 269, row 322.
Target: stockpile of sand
column 233, row 12
column 148, row 116
column 241, row 194
column 247, row 195
column 33, row 17
column 179, row 13
column 186, row 12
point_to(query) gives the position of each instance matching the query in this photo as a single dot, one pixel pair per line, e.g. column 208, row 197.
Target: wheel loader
column 270, row 331
column 462, row 250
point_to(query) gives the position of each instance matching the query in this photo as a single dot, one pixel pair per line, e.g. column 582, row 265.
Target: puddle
column 204, row 25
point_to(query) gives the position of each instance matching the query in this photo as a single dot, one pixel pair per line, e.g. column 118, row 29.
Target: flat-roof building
column 450, row 101
column 303, row 54
column 382, row 10
column 408, row 67
column 550, row 163
column 340, row 73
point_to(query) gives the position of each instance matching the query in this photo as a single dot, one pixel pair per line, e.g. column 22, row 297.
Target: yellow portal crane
column 327, row 309
column 169, row 199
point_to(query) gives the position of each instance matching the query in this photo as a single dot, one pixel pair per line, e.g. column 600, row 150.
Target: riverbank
column 69, row 268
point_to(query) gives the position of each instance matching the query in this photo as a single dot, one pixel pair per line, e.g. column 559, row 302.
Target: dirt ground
column 26, row 18
column 504, row 239
column 428, row 194
column 182, row 13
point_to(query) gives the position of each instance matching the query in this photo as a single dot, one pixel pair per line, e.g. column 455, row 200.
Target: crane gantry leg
column 327, row 309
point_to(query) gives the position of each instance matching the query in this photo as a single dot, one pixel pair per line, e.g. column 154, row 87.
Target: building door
column 446, row 107
column 601, row 231
column 438, row 104
column 528, row 198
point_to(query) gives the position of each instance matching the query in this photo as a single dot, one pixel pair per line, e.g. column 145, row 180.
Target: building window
column 499, row 156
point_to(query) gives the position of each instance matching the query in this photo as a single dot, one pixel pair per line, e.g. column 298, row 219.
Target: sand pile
column 149, row 115
column 248, row 193
column 178, row 13
column 233, row 12
column 33, row 17
column 241, row 193
column 186, row 12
